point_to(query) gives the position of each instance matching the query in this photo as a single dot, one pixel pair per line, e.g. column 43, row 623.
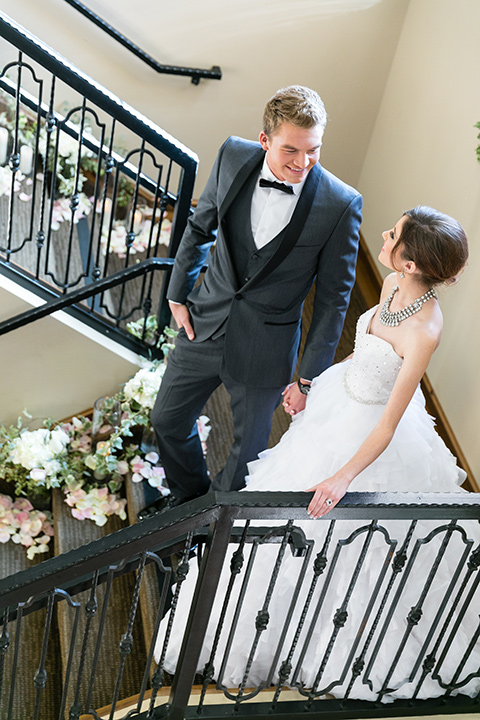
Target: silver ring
column 329, row 502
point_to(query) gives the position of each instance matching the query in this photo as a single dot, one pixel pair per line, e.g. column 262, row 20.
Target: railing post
column 197, row 623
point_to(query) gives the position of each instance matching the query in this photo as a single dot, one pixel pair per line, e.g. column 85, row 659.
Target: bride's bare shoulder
column 388, row 285
column 425, row 327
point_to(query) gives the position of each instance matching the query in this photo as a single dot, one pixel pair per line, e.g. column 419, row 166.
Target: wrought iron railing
column 369, row 612
column 88, row 185
column 197, row 74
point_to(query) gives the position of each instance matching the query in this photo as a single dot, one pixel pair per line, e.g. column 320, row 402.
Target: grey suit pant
column 194, row 371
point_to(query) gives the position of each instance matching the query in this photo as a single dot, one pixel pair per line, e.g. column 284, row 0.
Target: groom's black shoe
column 161, row 504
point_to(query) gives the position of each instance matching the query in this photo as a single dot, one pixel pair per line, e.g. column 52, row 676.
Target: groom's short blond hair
column 295, row 104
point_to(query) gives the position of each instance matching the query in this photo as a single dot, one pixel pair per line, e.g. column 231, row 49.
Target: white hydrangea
column 36, row 450
column 143, row 387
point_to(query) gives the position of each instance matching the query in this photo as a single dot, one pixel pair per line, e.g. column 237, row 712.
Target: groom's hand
column 293, row 400
column 182, row 318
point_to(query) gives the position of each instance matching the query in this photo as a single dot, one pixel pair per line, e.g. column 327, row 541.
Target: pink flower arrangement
column 90, row 475
column 22, row 524
column 147, row 469
column 98, row 504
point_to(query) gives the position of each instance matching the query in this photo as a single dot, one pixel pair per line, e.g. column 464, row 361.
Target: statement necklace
column 392, row 319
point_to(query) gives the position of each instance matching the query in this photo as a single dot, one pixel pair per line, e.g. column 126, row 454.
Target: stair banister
column 116, row 108
column 196, row 74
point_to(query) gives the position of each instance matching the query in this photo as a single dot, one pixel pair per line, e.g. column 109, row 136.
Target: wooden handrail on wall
column 369, row 282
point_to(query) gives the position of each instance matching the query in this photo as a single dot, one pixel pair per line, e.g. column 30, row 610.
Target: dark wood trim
column 369, row 282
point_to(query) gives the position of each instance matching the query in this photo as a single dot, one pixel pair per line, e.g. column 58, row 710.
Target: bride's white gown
column 344, row 405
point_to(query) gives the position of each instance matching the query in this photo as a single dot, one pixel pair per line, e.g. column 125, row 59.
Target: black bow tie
column 277, row 185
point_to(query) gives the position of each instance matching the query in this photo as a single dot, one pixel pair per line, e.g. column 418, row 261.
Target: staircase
column 77, row 629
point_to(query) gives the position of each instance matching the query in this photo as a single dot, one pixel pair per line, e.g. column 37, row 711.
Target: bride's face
column 390, row 239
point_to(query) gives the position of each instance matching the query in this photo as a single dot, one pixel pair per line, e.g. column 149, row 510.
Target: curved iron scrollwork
column 88, row 187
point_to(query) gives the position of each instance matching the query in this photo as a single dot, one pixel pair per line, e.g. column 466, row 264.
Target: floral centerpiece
column 91, row 475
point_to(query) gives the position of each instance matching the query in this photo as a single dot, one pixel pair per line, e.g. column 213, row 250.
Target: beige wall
column 260, row 46
column 57, row 366
column 422, row 151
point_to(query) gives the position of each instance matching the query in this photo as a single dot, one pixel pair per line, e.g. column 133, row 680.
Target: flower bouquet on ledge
column 91, row 474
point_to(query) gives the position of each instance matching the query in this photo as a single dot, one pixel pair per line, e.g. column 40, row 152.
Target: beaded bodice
column 373, row 369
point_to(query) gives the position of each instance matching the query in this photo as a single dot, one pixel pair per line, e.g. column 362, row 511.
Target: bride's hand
column 293, row 400
column 327, row 495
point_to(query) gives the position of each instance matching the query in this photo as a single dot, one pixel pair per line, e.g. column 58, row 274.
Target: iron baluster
column 158, row 678
column 288, row 619
column 435, row 623
column 4, row 646
column 50, row 127
column 453, row 684
column 14, row 160
column 202, row 603
column 40, row 679
column 318, row 569
column 236, row 565
column 126, row 642
column 101, row 628
column 18, row 630
column 415, row 614
column 472, row 567
column 341, row 614
column 109, row 166
column 74, row 199
column 263, row 618
column 91, row 608
column 131, row 233
column 397, row 567
column 357, row 665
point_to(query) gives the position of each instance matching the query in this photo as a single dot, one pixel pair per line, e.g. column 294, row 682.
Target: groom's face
column 292, row 151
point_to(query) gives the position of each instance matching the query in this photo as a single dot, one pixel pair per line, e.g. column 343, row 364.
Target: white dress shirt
column 271, row 209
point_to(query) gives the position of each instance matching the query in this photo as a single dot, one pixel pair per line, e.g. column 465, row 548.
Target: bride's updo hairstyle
column 435, row 242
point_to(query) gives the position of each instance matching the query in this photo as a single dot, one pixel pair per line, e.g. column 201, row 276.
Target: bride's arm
column 418, row 351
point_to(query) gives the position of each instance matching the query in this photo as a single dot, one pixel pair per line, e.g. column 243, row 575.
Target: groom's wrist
column 304, row 386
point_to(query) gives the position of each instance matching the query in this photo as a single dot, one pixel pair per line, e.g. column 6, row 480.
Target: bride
column 364, row 428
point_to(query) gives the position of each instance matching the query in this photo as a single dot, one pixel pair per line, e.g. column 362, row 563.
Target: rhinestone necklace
column 392, row 319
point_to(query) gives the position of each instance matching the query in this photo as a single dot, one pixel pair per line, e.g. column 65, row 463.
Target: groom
column 275, row 221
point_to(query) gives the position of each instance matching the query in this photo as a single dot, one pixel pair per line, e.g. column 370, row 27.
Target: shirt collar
column 266, row 173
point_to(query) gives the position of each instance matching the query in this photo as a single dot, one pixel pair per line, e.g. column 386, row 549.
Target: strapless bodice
column 374, row 367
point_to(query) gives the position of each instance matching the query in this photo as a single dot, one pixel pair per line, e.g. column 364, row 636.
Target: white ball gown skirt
column 391, row 647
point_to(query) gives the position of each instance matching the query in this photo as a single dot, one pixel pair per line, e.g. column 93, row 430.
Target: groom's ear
column 263, row 138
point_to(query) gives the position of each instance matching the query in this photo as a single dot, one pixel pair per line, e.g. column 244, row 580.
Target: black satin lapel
column 239, row 180
column 294, row 228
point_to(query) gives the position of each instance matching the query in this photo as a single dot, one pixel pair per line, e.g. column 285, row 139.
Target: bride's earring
column 402, row 275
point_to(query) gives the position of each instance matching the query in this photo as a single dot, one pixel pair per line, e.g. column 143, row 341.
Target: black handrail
column 84, row 293
column 60, row 579
column 196, row 74
column 159, row 530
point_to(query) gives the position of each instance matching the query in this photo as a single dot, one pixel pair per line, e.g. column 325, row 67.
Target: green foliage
column 477, row 125
column 165, row 341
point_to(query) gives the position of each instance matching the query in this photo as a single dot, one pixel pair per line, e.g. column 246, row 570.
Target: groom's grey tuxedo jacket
column 255, row 297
